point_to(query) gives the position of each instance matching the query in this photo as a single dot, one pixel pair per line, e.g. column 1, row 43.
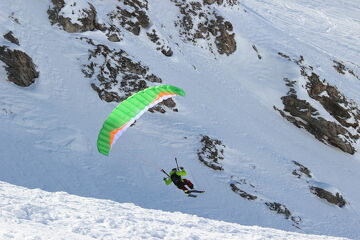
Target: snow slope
column 35, row 214
column 48, row 131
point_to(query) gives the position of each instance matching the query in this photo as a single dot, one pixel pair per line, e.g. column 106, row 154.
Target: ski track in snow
column 55, row 123
column 316, row 23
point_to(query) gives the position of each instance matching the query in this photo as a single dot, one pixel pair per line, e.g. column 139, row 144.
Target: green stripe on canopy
column 129, row 110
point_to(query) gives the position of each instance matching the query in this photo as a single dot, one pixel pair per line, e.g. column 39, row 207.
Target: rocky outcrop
column 344, row 111
column 303, row 115
column 220, row 2
column 242, row 193
column 318, row 188
column 116, row 76
column 10, row 37
column 343, row 131
column 160, row 43
column 85, row 18
column 211, row 152
column 131, row 15
column 236, row 186
column 283, row 210
column 19, row 66
column 336, row 198
column 257, row 51
column 246, row 190
column 342, row 69
column 200, row 21
column 301, row 171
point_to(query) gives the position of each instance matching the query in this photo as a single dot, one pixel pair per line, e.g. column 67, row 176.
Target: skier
column 175, row 176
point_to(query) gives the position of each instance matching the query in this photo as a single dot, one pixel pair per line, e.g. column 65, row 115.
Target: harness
column 176, row 180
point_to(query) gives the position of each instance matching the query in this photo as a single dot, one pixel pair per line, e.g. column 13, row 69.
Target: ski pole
column 165, row 172
column 177, row 166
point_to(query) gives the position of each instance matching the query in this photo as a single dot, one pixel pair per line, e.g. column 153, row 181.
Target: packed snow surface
column 48, row 131
column 35, row 214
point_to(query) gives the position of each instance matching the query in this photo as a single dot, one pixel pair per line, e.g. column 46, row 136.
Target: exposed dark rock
column 88, row 18
column 301, row 171
column 282, row 209
column 257, row 51
column 210, row 26
column 232, row 2
column 19, row 66
column 336, row 199
column 161, row 46
column 238, row 185
column 10, row 37
column 169, row 103
column 303, row 115
column 279, row 208
column 114, row 38
column 341, row 68
column 284, row 56
column 209, row 2
column 241, row 192
column 132, row 17
column 331, row 99
column 117, row 76
column 211, row 152
column 342, row 133
column 220, row 2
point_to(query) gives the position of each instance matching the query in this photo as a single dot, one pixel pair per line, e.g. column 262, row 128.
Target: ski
column 195, row 191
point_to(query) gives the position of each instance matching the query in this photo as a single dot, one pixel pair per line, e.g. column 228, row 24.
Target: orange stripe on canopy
column 162, row 94
column 114, row 132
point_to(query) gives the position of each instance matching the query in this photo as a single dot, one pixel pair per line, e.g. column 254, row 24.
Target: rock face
column 242, row 193
column 116, row 76
column 242, row 187
column 237, row 186
column 283, row 210
column 333, row 101
column 336, row 199
column 86, row 20
column 19, row 66
column 343, row 131
column 132, row 15
column 304, row 173
column 161, row 45
column 301, row 171
column 201, row 22
column 342, row 69
column 10, row 37
column 211, row 152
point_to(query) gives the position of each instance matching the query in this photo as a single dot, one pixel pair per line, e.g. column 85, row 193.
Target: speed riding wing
column 130, row 110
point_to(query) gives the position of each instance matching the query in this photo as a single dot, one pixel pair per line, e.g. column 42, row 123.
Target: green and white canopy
column 130, row 110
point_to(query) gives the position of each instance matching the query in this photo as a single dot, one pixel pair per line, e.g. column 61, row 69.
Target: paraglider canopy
column 130, row 110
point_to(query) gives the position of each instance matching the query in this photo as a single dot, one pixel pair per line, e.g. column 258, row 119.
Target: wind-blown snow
column 35, row 214
column 48, row 131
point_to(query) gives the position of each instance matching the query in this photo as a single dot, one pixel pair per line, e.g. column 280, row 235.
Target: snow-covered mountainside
column 35, row 214
column 269, row 126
